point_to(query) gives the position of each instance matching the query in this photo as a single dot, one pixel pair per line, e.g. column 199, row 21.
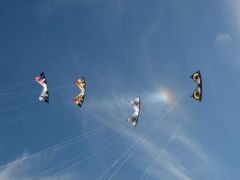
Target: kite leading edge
column 197, row 93
column 44, row 96
column 133, row 119
column 79, row 99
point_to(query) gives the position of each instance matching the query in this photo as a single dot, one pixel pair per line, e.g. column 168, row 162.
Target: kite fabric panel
column 197, row 93
column 44, row 96
column 133, row 119
column 79, row 99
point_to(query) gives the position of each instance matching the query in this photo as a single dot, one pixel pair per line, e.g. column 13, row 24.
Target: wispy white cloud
column 24, row 170
column 62, row 177
column 233, row 13
column 193, row 146
column 223, row 38
column 173, row 169
column 12, row 172
column 175, row 165
column 169, row 164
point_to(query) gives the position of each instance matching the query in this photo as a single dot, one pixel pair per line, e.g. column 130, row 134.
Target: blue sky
column 124, row 49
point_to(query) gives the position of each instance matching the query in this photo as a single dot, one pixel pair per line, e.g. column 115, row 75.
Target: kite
column 133, row 119
column 82, row 86
column 197, row 93
column 41, row 79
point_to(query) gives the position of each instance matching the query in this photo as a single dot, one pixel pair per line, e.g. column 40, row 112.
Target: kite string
column 61, row 145
column 123, row 154
column 14, row 85
column 29, row 115
column 76, row 164
column 170, row 139
column 19, row 106
column 48, row 150
column 136, row 142
column 181, row 97
column 147, row 134
column 66, row 161
column 176, row 131
column 30, row 92
column 76, row 140
column 129, row 155
column 93, row 132
column 91, row 156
